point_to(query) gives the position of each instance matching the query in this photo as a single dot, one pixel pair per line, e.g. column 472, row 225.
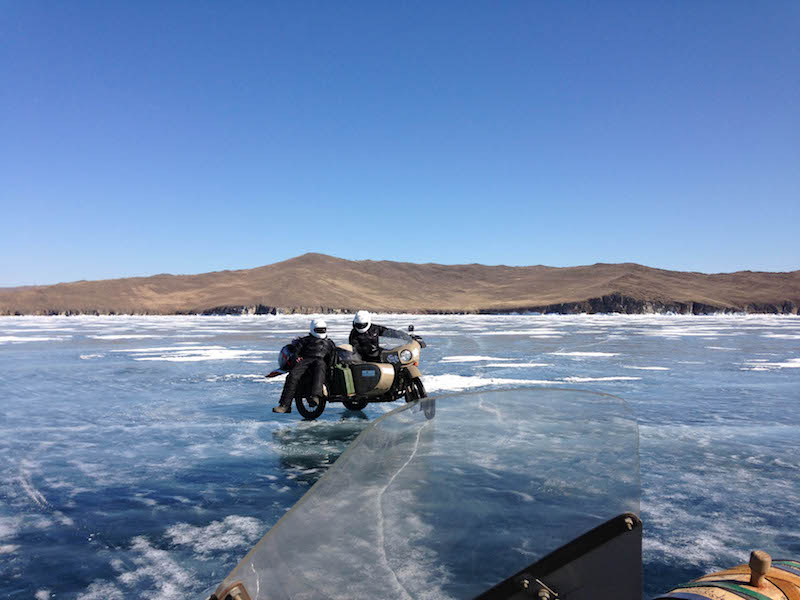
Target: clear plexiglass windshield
column 449, row 500
column 392, row 338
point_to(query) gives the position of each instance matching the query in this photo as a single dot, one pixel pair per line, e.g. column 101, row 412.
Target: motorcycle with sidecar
column 356, row 383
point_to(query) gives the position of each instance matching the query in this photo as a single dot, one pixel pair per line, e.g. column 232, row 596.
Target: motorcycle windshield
column 392, row 338
column 445, row 498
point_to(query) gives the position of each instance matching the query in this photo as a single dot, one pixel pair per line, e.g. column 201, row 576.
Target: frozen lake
column 132, row 444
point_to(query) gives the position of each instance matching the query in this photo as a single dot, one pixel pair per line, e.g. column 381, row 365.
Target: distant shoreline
column 528, row 313
column 320, row 284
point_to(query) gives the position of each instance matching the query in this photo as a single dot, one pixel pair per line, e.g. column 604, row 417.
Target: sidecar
column 350, row 381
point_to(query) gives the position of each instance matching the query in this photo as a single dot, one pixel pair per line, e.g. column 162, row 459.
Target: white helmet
column 362, row 321
column 318, row 328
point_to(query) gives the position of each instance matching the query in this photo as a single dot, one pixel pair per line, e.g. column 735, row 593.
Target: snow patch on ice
column 232, row 376
column 42, row 329
column 287, row 331
column 587, row 379
column 16, row 339
column 518, row 365
column 454, row 383
column 144, row 500
column 91, row 356
column 463, row 359
column 229, row 534
column 691, row 331
column 8, row 548
column 754, row 365
column 529, row 332
column 192, row 353
column 102, row 590
column 585, row 354
column 128, row 336
column 9, row 527
column 646, row 368
column 152, row 567
column 176, row 348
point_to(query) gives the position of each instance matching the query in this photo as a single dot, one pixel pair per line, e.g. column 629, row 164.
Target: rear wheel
column 355, row 403
column 308, row 411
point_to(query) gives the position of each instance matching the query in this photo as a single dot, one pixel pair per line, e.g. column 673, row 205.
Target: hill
column 320, row 283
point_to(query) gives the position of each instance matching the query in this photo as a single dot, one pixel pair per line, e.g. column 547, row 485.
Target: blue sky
column 185, row 137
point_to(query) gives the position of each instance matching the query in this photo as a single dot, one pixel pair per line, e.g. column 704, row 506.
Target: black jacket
column 366, row 344
column 310, row 347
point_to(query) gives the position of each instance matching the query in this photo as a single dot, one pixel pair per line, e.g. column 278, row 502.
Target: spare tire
column 287, row 359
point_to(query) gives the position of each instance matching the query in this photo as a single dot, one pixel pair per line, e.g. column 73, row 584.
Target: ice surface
column 114, row 468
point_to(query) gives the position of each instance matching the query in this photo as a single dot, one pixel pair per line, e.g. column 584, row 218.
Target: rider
column 316, row 352
column 364, row 336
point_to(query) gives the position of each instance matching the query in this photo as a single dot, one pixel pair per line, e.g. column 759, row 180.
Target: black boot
column 313, row 401
column 282, row 408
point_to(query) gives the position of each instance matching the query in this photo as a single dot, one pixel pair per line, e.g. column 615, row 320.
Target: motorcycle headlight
column 405, row 355
column 392, row 358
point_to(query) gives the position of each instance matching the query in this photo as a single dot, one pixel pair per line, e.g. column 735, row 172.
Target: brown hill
column 319, row 283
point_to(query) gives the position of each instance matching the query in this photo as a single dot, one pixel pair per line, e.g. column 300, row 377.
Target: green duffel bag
column 343, row 380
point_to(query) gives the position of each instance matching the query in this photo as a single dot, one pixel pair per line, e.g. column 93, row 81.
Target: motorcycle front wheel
column 415, row 390
column 309, row 412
